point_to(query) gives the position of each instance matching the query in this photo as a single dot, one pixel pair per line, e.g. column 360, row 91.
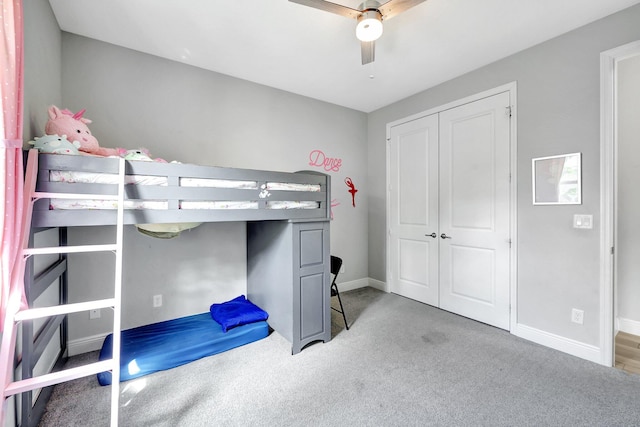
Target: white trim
column 608, row 147
column 557, row 342
column 85, row 345
column 607, row 66
column 513, row 203
column 509, row 87
column 387, row 229
column 628, row 325
column 362, row 283
column 377, row 284
column 353, row 284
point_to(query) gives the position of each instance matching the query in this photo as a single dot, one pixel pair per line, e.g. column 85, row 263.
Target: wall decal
column 334, row 203
column 317, row 158
column 352, row 190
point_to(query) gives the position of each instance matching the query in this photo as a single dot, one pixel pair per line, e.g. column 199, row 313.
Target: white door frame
column 513, row 160
column 608, row 167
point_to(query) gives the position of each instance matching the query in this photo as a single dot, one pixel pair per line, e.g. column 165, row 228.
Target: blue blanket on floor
column 172, row 343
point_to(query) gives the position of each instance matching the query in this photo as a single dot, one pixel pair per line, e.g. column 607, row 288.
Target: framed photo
column 557, row 180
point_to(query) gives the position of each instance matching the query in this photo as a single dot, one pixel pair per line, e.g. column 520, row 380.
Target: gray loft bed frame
column 34, row 342
column 43, row 216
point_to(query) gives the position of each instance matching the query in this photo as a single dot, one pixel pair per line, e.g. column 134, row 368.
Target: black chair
column 336, row 265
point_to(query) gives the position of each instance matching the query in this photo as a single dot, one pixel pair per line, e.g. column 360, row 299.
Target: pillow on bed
column 237, row 312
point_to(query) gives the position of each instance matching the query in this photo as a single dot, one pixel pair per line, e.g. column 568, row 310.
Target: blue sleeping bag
column 172, row 343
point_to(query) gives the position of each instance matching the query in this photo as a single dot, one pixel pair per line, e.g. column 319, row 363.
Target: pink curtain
column 11, row 217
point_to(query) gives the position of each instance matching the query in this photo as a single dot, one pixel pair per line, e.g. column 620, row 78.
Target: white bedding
column 105, row 178
column 101, row 178
column 185, row 204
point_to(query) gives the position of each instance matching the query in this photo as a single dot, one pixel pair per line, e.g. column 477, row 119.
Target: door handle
column 444, row 236
column 434, row 235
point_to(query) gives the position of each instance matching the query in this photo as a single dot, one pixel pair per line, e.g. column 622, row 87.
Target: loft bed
column 159, row 193
column 287, row 216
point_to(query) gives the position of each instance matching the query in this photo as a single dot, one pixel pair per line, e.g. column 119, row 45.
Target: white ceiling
column 315, row 53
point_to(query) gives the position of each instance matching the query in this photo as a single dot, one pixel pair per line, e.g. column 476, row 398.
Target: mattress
column 104, row 178
column 165, row 345
column 184, row 204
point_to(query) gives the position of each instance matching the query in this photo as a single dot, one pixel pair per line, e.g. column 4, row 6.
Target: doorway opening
column 617, row 232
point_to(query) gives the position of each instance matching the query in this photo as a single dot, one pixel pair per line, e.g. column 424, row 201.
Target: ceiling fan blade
column 368, row 50
column 394, row 7
column 330, row 7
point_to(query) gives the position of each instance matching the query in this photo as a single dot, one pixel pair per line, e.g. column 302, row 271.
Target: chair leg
column 335, row 288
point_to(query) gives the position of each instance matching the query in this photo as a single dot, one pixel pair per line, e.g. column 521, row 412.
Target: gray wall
column 628, row 271
column 191, row 115
column 558, row 85
column 42, row 65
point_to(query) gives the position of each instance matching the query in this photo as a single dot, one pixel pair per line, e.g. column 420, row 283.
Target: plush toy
column 55, row 144
column 64, row 122
column 140, row 154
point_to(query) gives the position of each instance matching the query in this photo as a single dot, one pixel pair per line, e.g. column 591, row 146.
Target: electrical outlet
column 157, row 301
column 577, row 316
column 95, row 313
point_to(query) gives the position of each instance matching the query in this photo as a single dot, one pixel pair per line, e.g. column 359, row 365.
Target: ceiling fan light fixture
column 369, row 26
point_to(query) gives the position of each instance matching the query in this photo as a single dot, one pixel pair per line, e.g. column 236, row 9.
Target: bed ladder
column 14, row 315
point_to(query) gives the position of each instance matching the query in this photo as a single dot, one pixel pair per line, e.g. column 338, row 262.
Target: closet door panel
column 470, row 167
column 477, row 284
column 413, row 180
column 413, row 215
column 474, row 210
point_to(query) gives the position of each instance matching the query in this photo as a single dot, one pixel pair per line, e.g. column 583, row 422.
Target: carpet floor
column 401, row 363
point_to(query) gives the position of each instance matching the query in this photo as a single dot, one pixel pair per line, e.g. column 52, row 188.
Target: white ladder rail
column 117, row 305
column 14, row 302
column 15, row 315
column 71, row 249
column 56, row 310
column 58, row 377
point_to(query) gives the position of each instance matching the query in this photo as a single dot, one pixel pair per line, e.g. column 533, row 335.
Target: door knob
column 434, row 235
column 444, row 236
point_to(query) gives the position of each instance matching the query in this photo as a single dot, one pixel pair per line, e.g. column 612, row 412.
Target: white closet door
column 474, row 210
column 413, row 216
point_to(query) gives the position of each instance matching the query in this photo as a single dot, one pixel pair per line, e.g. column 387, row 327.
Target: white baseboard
column 361, row 283
column 85, row 345
column 629, row 326
column 382, row 286
column 556, row 342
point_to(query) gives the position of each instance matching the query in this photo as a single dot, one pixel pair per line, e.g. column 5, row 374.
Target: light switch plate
column 583, row 221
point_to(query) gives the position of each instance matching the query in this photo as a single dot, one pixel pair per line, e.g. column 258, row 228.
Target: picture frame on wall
column 557, row 180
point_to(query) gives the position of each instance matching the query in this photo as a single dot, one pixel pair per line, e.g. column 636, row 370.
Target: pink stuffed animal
column 64, row 122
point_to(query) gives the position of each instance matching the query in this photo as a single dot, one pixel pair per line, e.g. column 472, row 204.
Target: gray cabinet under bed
column 288, row 275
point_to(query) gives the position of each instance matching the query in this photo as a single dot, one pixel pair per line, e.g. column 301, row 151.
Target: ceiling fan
column 369, row 15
